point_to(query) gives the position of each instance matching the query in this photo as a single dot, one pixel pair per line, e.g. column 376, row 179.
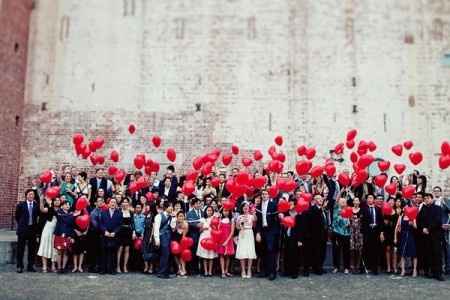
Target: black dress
column 126, row 230
column 80, row 245
column 389, row 223
column 147, row 249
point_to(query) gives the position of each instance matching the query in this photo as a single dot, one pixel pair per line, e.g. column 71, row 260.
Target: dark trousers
column 291, row 256
column 318, row 247
column 270, row 242
column 422, row 262
column 371, row 249
column 109, row 255
column 306, row 256
column 28, row 237
column 164, row 245
column 446, row 252
column 341, row 245
column 94, row 250
column 433, row 251
column 193, row 264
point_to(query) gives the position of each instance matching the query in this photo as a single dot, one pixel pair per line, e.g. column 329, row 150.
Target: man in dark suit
column 110, row 222
column 318, row 225
column 169, row 184
column 268, row 233
column 372, row 229
column 302, row 232
column 221, row 190
column 429, row 224
column 162, row 234
column 193, row 217
column 26, row 217
column 99, row 182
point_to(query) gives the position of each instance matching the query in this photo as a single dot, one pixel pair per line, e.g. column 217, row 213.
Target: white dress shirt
column 264, row 205
column 157, row 225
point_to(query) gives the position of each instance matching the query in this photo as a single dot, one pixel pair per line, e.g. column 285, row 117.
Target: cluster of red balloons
column 182, row 248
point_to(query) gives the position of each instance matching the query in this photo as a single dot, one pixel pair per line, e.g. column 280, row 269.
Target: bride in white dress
column 245, row 251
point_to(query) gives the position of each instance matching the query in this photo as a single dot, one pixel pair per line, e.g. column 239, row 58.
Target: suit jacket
column 317, row 224
column 193, row 219
column 110, row 224
column 95, row 188
column 302, row 230
column 22, row 217
column 172, row 191
column 430, row 217
column 273, row 223
column 367, row 220
column 222, row 191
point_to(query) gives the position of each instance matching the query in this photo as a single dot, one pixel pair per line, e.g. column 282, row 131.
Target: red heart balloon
column 207, row 168
column 114, row 156
column 46, row 176
column 288, row 222
column 283, row 206
column 235, row 149
column 445, row 148
column 175, row 248
column 408, row 145
column 316, row 171
column 301, row 150
column 273, row 191
column 408, row 191
column 226, row 159
column 399, row 168
column 353, row 157
column 310, row 153
column 346, row 212
column 444, row 161
column 119, row 176
column 372, row 146
column 257, row 155
column 77, row 139
column 275, row 166
column 156, row 141
column 171, row 154
column 302, row 205
column 259, row 181
column 391, row 189
column 279, row 140
column 365, row 160
column 362, row 151
column 415, row 158
column 112, row 170
column 306, row 196
column 387, row 209
column 246, row 161
column 351, row 134
column 384, row 165
column 344, row 179
column 131, row 128
column 380, row 180
column 186, row 255
column 303, row 166
column 339, row 148
column 411, row 212
column 397, row 149
column 188, row 188
column 139, row 161
column 82, row 222
column 330, row 169
column 350, row 144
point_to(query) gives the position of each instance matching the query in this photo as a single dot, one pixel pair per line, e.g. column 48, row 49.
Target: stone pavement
column 135, row 286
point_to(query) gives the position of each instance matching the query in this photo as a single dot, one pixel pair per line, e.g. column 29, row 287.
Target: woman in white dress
column 207, row 255
column 245, row 251
column 46, row 250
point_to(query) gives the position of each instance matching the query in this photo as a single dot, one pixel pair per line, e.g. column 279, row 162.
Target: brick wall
column 214, row 73
column 14, row 21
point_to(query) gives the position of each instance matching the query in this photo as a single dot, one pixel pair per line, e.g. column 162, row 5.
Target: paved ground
column 136, row 286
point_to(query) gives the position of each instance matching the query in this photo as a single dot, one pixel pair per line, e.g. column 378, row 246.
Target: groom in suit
column 26, row 218
column 193, row 217
column 268, row 233
column 110, row 222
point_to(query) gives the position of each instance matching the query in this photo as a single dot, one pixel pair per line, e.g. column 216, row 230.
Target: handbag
column 62, row 243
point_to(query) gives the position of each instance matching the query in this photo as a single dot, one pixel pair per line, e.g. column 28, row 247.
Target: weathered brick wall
column 14, row 21
column 309, row 70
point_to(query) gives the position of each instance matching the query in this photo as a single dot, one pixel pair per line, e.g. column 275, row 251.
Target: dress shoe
column 19, row 270
column 272, row 277
column 439, row 278
column 305, row 274
column 261, row 275
column 162, row 276
column 294, row 276
column 31, row 269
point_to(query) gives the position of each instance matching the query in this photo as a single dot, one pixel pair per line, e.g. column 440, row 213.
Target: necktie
column 373, row 216
column 30, row 213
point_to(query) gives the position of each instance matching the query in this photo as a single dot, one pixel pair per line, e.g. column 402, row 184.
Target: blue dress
column 407, row 246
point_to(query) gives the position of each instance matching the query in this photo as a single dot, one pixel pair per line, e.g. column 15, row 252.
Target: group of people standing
column 159, row 229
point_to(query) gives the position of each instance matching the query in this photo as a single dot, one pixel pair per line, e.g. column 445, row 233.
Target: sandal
column 228, row 274
column 44, row 270
column 74, row 270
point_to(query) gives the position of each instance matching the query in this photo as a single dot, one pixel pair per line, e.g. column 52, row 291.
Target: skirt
column 202, row 252
column 46, row 246
column 246, row 245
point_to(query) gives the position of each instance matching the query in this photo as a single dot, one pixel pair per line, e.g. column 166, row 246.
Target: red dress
column 225, row 230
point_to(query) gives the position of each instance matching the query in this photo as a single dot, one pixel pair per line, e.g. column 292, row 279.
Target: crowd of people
column 161, row 230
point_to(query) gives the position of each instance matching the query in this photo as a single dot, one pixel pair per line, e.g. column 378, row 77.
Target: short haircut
column 98, row 169
column 437, row 188
column 83, row 175
column 171, row 168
